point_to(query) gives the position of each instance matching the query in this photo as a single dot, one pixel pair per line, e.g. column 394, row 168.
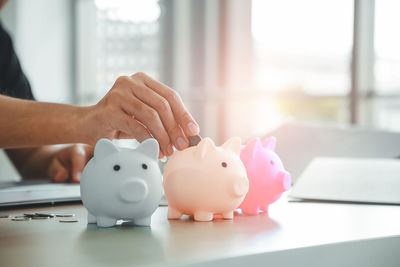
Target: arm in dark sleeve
column 13, row 81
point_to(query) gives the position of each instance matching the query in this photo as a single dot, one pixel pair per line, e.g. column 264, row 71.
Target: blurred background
column 241, row 67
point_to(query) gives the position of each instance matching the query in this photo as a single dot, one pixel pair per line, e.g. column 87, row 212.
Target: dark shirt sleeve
column 13, row 81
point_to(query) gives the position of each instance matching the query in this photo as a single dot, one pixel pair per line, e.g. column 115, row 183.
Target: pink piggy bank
column 204, row 180
column 267, row 177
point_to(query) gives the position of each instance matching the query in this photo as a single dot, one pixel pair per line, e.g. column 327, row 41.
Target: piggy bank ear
column 270, row 143
column 150, row 148
column 103, row 148
column 251, row 148
column 205, row 146
column 234, row 144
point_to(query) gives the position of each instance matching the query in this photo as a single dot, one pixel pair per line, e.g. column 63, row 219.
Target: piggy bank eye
column 272, row 162
column 144, row 166
column 224, row 164
column 117, row 167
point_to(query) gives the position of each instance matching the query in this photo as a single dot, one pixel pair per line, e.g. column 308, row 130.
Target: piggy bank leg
column 173, row 213
column 250, row 211
column 203, row 216
column 91, row 218
column 106, row 222
column 142, row 221
column 228, row 215
column 265, row 209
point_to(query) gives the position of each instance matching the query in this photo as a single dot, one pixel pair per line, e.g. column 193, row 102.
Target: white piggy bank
column 122, row 183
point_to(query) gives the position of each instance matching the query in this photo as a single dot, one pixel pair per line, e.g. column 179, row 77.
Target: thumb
column 79, row 160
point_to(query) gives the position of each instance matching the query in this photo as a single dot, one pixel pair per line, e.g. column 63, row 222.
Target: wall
column 42, row 31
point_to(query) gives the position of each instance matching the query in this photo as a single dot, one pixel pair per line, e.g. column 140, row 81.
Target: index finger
column 182, row 116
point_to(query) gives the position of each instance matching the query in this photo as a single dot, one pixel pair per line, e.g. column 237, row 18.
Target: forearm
column 25, row 123
column 32, row 162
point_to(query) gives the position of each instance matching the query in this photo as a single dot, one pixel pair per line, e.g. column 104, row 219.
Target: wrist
column 80, row 125
column 83, row 127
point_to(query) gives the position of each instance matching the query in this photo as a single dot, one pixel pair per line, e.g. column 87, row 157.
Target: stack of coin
column 68, row 221
column 65, row 215
column 20, row 218
column 68, row 216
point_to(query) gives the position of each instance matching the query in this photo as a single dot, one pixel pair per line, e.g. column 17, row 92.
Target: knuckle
column 186, row 117
column 139, row 75
column 122, row 80
column 114, row 93
column 153, row 115
column 172, row 96
column 162, row 105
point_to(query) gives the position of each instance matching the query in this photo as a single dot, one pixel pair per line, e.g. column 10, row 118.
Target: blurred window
column 127, row 40
column 386, row 103
column 303, row 55
column 387, row 47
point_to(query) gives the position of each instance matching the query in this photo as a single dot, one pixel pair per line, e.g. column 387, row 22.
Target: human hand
column 67, row 163
column 140, row 107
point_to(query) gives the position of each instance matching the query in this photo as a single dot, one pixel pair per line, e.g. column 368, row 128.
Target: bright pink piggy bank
column 204, row 180
column 267, row 177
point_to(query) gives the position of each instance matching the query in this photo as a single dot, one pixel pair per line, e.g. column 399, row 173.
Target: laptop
column 362, row 180
column 299, row 143
column 15, row 191
column 37, row 192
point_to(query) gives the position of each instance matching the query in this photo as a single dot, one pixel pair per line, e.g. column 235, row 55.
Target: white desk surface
column 295, row 234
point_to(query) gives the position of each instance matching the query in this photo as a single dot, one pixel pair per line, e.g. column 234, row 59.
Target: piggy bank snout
column 133, row 190
column 285, row 179
column 240, row 187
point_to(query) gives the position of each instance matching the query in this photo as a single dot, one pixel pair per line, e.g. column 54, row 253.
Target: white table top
column 291, row 226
